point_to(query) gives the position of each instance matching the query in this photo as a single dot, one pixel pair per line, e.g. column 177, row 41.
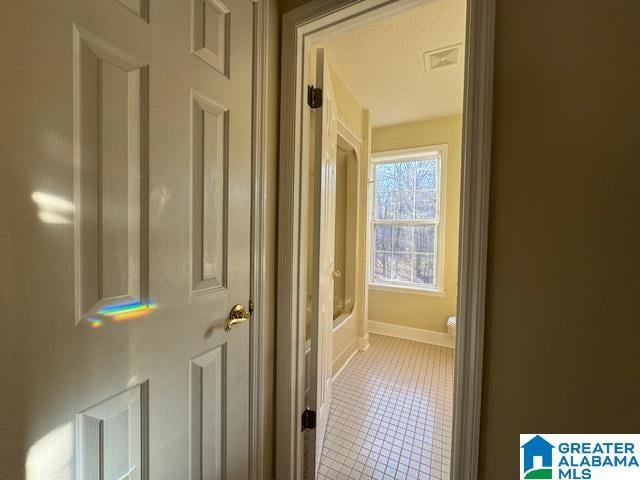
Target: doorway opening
column 384, row 126
column 380, row 377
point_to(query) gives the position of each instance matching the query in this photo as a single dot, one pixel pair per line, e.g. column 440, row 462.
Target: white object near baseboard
column 409, row 333
column 451, row 327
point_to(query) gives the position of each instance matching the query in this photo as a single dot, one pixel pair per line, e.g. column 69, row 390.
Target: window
column 406, row 226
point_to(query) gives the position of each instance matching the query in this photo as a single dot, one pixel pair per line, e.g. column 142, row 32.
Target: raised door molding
column 137, row 7
column 210, row 33
column 208, row 415
column 110, row 184
column 112, row 437
column 210, row 159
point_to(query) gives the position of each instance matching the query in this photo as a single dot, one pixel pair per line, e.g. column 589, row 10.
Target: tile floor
column 390, row 414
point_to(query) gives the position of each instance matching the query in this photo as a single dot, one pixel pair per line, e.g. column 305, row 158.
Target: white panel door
column 325, row 151
column 133, row 166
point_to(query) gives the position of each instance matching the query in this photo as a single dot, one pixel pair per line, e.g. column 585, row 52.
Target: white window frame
column 392, row 156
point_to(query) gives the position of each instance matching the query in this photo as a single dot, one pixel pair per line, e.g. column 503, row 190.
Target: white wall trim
column 409, row 333
column 346, row 362
column 392, row 288
column 314, row 20
column 351, row 137
column 363, row 342
column 474, row 225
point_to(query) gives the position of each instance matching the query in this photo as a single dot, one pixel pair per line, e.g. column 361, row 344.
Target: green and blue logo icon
column 552, row 456
column 537, row 459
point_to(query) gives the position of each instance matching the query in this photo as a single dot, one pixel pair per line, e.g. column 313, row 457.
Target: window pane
column 424, row 239
column 384, row 205
column 424, row 269
column 403, row 267
column 405, row 191
column 382, row 268
column 405, row 176
column 404, row 205
column 402, row 238
column 426, row 202
column 385, row 177
column 427, row 175
column 383, row 237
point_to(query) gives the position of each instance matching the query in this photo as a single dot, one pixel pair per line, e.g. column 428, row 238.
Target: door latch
column 238, row 314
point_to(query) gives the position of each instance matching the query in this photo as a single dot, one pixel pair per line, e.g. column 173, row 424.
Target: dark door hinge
column 308, row 419
column 314, row 96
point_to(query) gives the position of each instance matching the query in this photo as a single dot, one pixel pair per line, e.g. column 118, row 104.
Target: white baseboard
column 344, row 365
column 363, row 343
column 409, row 333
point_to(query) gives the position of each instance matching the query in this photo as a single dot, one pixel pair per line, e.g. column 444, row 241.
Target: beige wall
column 563, row 307
column 349, row 110
column 419, row 310
column 563, row 316
column 13, row 98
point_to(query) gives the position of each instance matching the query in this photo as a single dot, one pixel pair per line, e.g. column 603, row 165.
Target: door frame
column 259, row 361
column 300, row 27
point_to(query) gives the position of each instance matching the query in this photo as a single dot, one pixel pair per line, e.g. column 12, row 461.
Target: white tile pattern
column 391, row 413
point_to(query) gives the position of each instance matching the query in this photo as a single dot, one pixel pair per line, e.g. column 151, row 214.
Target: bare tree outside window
column 406, row 221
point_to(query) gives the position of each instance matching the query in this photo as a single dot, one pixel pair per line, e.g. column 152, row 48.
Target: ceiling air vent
column 441, row 58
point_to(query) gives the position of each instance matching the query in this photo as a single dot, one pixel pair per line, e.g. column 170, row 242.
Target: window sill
column 383, row 287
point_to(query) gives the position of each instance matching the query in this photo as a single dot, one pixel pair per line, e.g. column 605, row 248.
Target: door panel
column 110, row 147
column 207, row 414
column 111, row 437
column 325, row 146
column 136, row 226
column 210, row 147
column 210, row 31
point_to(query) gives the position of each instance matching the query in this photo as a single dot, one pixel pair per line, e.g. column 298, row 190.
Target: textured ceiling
column 382, row 63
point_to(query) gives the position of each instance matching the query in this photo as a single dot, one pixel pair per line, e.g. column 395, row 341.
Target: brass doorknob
column 238, row 314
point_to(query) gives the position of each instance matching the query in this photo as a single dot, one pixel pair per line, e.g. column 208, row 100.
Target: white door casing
column 325, row 151
column 311, row 23
column 138, row 180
